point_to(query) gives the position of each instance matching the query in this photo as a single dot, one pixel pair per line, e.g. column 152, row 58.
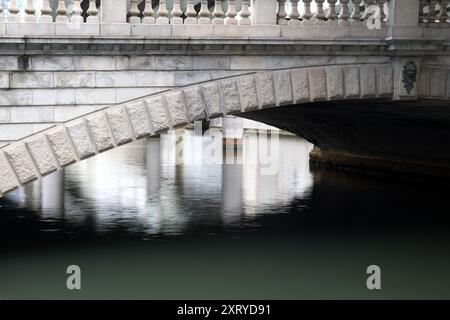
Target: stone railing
column 434, row 13
column 188, row 18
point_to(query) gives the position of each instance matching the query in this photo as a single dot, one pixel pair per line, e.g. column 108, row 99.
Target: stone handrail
column 434, row 13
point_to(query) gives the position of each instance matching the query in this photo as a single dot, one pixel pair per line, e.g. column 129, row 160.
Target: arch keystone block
column 300, row 85
column 157, row 113
column 194, row 103
column 139, row 119
column 248, row 94
column 98, row 126
column 42, row 154
column 212, row 98
column 119, row 123
column 230, row 94
column 21, row 162
column 266, row 90
column 283, row 87
column 8, row 179
column 80, row 137
column 176, row 107
column 60, row 144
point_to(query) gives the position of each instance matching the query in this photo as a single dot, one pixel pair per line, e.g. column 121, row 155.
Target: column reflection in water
column 52, row 187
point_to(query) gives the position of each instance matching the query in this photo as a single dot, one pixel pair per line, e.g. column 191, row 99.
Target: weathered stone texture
column 247, row 91
column 266, row 91
column 283, row 87
column 352, row 86
column 438, row 83
column 231, row 96
column 368, row 81
column 335, row 83
column 300, row 85
column 176, row 107
column 120, row 126
column 139, row 119
column 80, row 138
column 157, row 113
column 212, row 99
column 21, row 162
column 385, row 81
column 318, row 84
column 61, row 146
column 41, row 153
column 8, row 179
column 194, row 103
column 425, row 83
column 98, row 126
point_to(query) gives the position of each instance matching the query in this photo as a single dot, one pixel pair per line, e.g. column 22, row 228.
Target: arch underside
column 342, row 107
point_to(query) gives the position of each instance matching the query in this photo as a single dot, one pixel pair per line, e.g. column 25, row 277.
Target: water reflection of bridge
column 143, row 186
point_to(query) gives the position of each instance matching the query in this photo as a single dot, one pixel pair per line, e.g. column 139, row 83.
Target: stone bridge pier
column 368, row 82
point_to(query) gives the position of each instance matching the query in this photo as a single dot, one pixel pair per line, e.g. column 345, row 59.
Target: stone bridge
column 366, row 81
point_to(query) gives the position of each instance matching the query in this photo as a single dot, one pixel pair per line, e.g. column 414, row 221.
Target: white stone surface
column 139, row 119
column 176, row 107
column 231, row 99
column 368, row 76
column 283, row 87
column 194, row 103
column 265, row 89
column 100, row 132
column 61, row 146
column 318, row 84
column 248, row 94
column 386, row 81
column 41, row 153
column 352, row 84
column 21, row 162
column 300, row 85
column 335, row 83
column 157, row 114
column 120, row 125
column 212, row 98
column 8, row 179
column 80, row 138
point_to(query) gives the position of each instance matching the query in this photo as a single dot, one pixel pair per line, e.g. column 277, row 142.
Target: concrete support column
column 114, row 11
column 264, row 12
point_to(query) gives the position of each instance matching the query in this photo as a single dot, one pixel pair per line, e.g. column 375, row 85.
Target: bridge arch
column 246, row 95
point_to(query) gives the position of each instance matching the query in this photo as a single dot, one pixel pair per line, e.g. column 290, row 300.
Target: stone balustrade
column 434, row 13
column 197, row 18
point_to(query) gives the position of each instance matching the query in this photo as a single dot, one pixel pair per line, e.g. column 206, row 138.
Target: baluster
column 281, row 14
column 294, row 14
column 231, row 13
column 319, row 16
column 344, row 15
column 442, row 15
column 431, row 16
column 355, row 17
column 244, row 14
column 307, row 14
column 2, row 16
column 30, row 12
column 332, row 16
column 134, row 12
column 204, row 13
column 218, row 13
column 13, row 11
column 191, row 14
column 422, row 13
column 149, row 14
column 163, row 13
column 46, row 12
column 176, row 13
column 61, row 12
column 92, row 12
column 76, row 16
column 382, row 14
